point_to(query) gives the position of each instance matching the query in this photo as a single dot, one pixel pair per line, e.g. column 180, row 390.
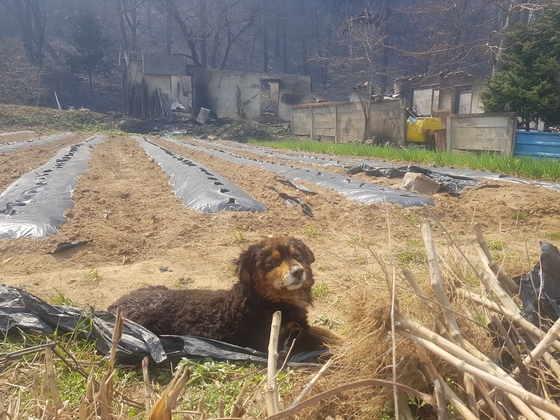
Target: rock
column 419, row 184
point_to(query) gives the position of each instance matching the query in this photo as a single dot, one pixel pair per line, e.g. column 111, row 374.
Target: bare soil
column 149, row 238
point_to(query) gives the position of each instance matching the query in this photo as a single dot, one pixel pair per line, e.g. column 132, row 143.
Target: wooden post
column 271, row 389
column 312, row 124
column 336, row 125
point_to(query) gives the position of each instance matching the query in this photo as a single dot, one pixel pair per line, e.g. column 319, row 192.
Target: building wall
column 176, row 87
column 492, row 132
column 217, row 89
column 344, row 122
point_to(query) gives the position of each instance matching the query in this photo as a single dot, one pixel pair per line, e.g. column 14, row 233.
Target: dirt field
column 147, row 228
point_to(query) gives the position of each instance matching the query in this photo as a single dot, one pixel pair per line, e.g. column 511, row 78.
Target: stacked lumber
column 142, row 105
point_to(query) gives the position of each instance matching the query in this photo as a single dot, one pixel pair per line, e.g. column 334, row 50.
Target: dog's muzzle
column 294, row 278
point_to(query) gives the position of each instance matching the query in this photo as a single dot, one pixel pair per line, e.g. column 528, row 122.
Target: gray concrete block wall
column 492, row 132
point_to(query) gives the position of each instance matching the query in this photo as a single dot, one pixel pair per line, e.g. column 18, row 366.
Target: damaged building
column 156, row 84
column 442, row 95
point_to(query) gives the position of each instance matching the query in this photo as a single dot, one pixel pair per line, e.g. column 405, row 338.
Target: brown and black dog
column 274, row 275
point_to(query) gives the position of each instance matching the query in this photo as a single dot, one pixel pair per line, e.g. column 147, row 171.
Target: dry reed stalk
column 221, row 407
column 117, row 335
column 83, row 411
column 35, row 393
column 521, row 406
column 534, row 333
column 352, row 385
column 437, row 284
column 237, row 409
column 511, row 348
column 506, row 386
column 392, row 289
column 13, row 407
column 271, row 388
column 402, row 408
column 541, row 348
column 201, row 408
column 260, row 401
column 311, row 384
column 147, row 390
column 511, row 307
column 45, row 393
column 441, row 297
column 49, row 366
column 518, row 319
column 162, row 409
column 484, row 392
column 492, row 283
column 104, row 402
column 411, row 330
column 441, row 400
column 506, row 281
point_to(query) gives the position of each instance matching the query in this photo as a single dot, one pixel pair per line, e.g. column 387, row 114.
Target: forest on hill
column 49, row 46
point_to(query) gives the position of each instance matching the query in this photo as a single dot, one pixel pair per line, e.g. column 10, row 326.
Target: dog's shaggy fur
column 274, row 275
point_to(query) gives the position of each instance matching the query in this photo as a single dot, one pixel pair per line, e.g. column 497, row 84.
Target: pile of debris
column 243, row 130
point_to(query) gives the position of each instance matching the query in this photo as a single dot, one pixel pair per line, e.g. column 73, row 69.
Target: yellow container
column 422, row 130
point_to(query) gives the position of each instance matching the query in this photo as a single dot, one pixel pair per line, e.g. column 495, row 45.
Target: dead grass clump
column 366, row 353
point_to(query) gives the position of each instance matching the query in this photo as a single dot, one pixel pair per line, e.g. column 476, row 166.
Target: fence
column 344, row 122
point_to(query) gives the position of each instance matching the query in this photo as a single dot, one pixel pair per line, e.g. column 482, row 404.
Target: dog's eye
column 272, row 263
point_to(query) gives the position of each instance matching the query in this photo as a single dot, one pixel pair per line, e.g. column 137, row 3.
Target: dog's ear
column 246, row 264
column 303, row 250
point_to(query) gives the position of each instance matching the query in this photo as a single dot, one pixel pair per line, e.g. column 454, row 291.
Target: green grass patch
column 321, row 291
column 327, row 321
column 309, row 230
column 209, row 379
column 238, row 236
column 518, row 215
column 552, row 235
column 546, row 169
column 19, row 116
column 411, row 253
column 213, row 380
column 94, row 276
column 497, row 245
column 60, row 299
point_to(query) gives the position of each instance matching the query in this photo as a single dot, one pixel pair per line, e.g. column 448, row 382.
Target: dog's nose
column 296, row 271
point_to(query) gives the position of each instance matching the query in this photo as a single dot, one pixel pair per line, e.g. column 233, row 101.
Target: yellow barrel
column 421, row 130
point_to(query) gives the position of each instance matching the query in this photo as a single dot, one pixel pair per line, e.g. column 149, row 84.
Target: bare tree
column 219, row 23
column 31, row 21
column 20, row 81
column 443, row 35
column 129, row 13
column 357, row 60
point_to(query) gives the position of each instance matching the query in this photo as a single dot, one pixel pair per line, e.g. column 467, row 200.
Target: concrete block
column 419, row 184
column 203, row 115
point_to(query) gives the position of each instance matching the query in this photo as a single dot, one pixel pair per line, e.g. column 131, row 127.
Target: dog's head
column 277, row 269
